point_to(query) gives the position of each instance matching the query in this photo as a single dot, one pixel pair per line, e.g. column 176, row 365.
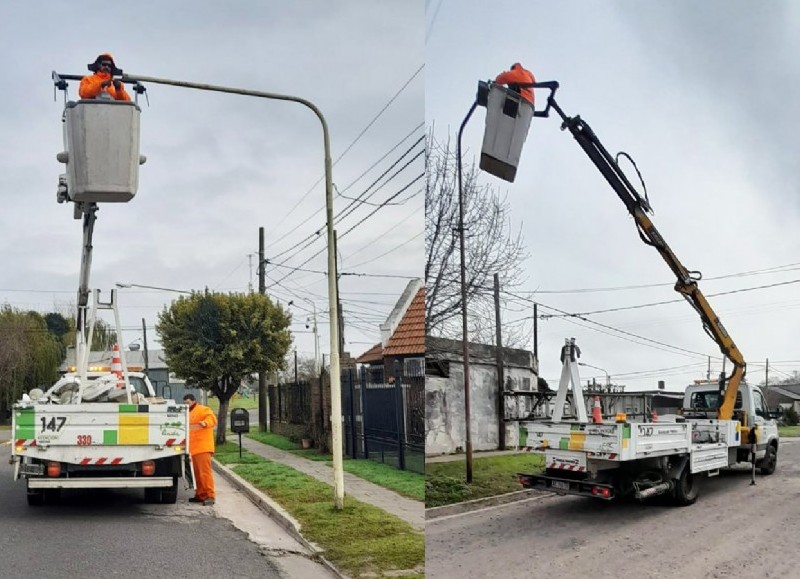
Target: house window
column 414, row 367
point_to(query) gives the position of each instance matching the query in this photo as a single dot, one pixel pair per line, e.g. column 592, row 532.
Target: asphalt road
column 733, row 530
column 102, row 533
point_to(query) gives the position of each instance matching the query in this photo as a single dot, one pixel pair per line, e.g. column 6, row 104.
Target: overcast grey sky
column 703, row 96
column 220, row 166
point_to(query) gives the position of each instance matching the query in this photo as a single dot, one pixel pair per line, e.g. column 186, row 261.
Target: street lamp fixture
column 608, row 378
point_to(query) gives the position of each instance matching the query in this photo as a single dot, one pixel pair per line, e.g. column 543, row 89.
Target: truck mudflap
column 566, row 486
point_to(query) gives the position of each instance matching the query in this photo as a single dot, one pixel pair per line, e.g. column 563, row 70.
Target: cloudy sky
column 702, row 95
column 221, row 166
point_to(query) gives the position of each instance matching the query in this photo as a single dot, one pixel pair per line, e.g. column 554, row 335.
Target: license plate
column 559, row 485
column 31, row 469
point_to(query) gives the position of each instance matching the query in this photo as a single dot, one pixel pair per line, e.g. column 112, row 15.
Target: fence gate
column 384, row 416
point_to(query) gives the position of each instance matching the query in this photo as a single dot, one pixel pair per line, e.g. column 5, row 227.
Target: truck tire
column 152, row 496
column 686, row 490
column 52, row 496
column 169, row 496
column 769, row 463
column 35, row 497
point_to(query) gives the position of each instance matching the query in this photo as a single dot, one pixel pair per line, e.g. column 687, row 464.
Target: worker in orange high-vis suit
column 201, row 446
column 515, row 77
column 103, row 80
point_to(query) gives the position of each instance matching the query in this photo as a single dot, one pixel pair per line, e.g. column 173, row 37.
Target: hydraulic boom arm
column 638, row 207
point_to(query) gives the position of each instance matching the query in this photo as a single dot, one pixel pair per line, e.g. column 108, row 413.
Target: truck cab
column 702, row 399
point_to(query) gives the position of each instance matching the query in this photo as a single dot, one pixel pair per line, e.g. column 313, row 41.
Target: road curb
column 474, row 505
column 277, row 513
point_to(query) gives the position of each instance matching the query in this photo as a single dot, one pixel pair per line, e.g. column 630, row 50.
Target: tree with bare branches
column 491, row 247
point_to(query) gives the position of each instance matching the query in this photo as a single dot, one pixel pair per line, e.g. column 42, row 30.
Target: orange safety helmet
column 95, row 66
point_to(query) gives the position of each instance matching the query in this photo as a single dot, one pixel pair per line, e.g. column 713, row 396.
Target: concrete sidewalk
column 409, row 510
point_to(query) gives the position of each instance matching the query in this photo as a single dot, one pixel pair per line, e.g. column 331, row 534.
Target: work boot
column 195, row 500
column 209, row 502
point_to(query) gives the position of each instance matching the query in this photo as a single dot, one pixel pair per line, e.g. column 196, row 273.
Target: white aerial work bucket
column 508, row 117
column 101, row 138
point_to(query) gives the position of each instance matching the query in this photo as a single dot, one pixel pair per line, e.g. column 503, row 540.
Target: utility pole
column 316, row 341
column 708, row 372
column 295, row 366
column 262, row 375
column 339, row 303
column 250, row 264
column 146, row 360
column 501, row 381
column 536, row 333
column 766, row 382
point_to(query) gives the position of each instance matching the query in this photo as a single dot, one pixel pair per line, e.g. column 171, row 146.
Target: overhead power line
column 354, row 141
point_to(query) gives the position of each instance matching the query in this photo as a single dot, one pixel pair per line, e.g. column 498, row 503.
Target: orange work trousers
column 203, row 476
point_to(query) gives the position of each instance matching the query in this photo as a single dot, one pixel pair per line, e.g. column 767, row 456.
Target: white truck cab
column 702, row 399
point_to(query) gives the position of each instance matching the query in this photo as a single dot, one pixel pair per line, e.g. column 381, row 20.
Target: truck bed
column 634, row 441
column 99, row 433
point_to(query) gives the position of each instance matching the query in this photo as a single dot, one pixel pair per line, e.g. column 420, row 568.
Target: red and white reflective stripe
column 26, row 442
column 101, row 460
column 171, row 442
column 561, row 466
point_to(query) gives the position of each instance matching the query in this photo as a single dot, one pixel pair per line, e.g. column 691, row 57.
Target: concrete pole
column 262, row 376
column 333, row 313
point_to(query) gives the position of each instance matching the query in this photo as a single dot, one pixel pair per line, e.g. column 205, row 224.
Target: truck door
column 767, row 426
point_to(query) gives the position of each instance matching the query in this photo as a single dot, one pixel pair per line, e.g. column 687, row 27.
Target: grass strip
column 445, row 482
column 359, row 540
column 235, row 402
column 789, row 430
column 407, row 483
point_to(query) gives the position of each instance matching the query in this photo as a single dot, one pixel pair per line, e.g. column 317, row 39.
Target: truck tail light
column 603, row 492
column 54, row 469
column 148, row 468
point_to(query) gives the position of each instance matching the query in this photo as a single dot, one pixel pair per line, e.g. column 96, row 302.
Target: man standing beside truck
column 201, row 447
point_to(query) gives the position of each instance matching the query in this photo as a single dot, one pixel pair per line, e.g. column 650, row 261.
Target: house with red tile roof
column 402, row 335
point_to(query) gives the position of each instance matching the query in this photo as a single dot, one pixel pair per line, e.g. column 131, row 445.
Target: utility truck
column 89, row 430
column 615, row 456
column 622, row 457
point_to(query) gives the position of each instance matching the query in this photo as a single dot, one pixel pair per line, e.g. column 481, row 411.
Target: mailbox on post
column 240, row 423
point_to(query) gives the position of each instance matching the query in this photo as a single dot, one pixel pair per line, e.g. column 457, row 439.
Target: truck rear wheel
column 152, row 495
column 169, row 496
column 686, row 490
column 35, row 497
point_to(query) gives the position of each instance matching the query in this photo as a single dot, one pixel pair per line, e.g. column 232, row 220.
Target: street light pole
column 608, row 378
column 464, row 330
column 335, row 377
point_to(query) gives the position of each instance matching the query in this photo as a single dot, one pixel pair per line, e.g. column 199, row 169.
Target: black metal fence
column 290, row 403
column 384, row 415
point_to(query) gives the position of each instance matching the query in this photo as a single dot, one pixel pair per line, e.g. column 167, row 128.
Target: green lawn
column 235, row 402
column 407, row 483
column 361, row 540
column 789, row 430
column 494, row 475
